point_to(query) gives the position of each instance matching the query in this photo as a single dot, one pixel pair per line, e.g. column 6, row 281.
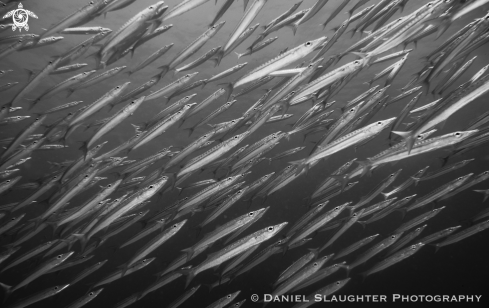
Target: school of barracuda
column 305, row 73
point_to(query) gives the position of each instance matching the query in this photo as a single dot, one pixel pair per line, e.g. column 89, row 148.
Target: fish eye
column 308, row 44
column 151, row 186
column 229, row 296
column 56, row 288
column 338, row 283
column 336, row 208
column 393, row 236
column 270, row 229
column 174, row 226
column 251, row 214
column 315, row 264
column 379, row 123
column 458, row 134
column 58, row 257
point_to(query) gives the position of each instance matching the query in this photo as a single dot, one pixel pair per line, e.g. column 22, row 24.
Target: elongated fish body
column 420, row 147
column 310, row 13
column 22, row 153
column 214, row 96
column 224, row 230
column 78, row 17
column 69, row 194
column 292, row 83
column 132, row 26
column 183, row 7
column 116, row 119
column 128, row 204
column 247, row 33
column 191, row 49
column 438, row 235
column 22, row 136
column 65, row 85
column 34, row 82
column 419, row 219
column 226, row 73
column 106, row 99
column 172, row 87
column 200, row 60
column 119, row 273
column 329, row 78
column 350, row 139
column 300, row 276
column 31, row 253
column 212, row 154
column 395, row 258
column 162, row 126
column 153, row 57
column 235, row 249
column 40, row 270
column 52, row 291
column 243, row 24
column 316, row 223
column 280, row 61
column 182, row 298
column 440, row 192
column 376, row 249
column 224, row 301
column 294, row 267
column 189, row 149
column 155, row 242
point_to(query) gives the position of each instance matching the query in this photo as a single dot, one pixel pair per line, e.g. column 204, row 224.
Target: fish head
column 315, row 44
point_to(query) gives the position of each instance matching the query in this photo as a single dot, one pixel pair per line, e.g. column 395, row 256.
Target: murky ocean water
column 458, row 269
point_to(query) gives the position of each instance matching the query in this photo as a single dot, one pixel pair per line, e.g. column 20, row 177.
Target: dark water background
column 458, row 269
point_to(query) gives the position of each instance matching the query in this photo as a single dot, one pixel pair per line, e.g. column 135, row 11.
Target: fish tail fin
column 239, row 54
column 367, row 168
column 484, row 193
column 444, row 160
column 189, row 252
column 83, row 240
column 364, row 55
column 70, row 92
column 218, row 58
column 164, row 69
column 204, row 83
column 408, row 138
column 442, row 27
column 293, row 27
column 437, row 247
column 84, row 148
column 426, row 84
column 7, row 289
column 416, row 180
column 403, row 212
column 362, row 223
column 340, row 179
column 229, row 87
column 189, row 272
column 190, row 130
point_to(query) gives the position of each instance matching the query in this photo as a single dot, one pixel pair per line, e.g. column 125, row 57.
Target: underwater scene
column 255, row 153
